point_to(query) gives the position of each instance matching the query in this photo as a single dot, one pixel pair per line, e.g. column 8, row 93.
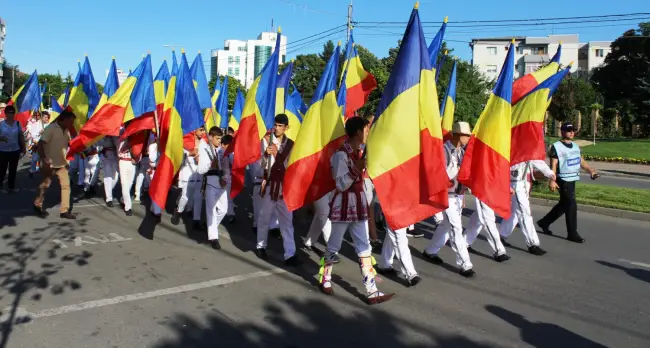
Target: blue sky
column 53, row 37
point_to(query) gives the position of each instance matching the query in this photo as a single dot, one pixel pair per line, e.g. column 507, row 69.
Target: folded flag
column 406, row 159
column 358, row 82
column 436, row 45
column 297, row 101
column 448, row 106
column 26, row 100
column 528, row 82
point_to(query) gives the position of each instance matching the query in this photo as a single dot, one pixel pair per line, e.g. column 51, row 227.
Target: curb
column 618, row 213
column 639, row 176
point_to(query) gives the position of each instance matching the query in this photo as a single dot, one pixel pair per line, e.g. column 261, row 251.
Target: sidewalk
column 640, row 171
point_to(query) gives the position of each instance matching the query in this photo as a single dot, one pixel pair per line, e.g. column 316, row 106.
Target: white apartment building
column 121, row 75
column 244, row 60
column 531, row 53
column 3, row 32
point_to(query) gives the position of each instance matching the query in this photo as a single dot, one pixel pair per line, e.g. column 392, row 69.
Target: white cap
column 462, row 128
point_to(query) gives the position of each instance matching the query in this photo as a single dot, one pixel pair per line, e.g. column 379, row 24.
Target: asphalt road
column 620, row 181
column 107, row 280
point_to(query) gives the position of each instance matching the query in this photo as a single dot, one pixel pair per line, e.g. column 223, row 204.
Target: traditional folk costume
column 90, row 175
column 108, row 156
column 141, row 176
column 127, row 173
column 349, row 211
column 257, row 173
column 214, row 169
column 152, row 150
column 190, row 181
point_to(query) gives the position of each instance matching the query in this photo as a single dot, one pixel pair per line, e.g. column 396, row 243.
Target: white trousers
column 521, row 214
column 191, row 193
column 127, row 175
column 360, row 237
column 257, row 206
column 155, row 208
column 111, row 175
column 321, row 221
column 141, row 178
column 91, row 165
column 483, row 219
column 216, row 206
column 397, row 244
column 285, row 218
column 452, row 228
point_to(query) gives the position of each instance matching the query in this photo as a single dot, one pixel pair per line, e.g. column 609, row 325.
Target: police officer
column 566, row 162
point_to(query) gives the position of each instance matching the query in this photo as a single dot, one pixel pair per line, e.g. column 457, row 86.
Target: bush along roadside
column 615, row 159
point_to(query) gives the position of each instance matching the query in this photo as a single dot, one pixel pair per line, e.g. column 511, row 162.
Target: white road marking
column 635, row 263
column 145, row 295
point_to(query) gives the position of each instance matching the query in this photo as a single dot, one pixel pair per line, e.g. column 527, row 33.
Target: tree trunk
column 579, row 121
column 558, row 128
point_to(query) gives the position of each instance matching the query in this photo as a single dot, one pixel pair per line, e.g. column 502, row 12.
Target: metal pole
column 13, row 76
column 349, row 19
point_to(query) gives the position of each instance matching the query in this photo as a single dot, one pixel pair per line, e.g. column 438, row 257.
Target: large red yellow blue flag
column 257, row 117
column 200, row 82
column 210, row 115
column 486, row 165
column 309, row 173
column 436, row 45
column 528, row 120
column 134, row 99
column 160, row 84
column 57, row 109
column 237, row 110
column 528, row 82
column 222, row 105
column 182, row 115
column 110, row 87
column 358, row 82
column 448, row 106
column 406, row 160
column 27, row 99
column 83, row 96
column 297, row 100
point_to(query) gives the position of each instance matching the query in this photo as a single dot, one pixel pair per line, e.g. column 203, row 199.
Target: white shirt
column 35, row 129
column 521, row 174
column 207, row 153
column 341, row 164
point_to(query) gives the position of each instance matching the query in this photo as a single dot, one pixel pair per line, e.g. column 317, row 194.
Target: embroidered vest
column 275, row 177
column 355, row 189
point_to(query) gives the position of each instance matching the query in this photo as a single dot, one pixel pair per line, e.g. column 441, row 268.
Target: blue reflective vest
column 568, row 161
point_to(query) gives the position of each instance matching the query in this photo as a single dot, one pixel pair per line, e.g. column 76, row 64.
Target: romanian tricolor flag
column 309, row 173
column 133, row 101
column 297, row 100
column 257, row 117
column 441, row 64
column 358, row 82
column 210, row 115
column 174, row 64
column 182, row 115
column 406, row 160
column 57, row 109
column 62, row 101
column 436, row 45
column 83, row 96
column 448, row 106
column 111, row 85
column 295, row 119
column 200, row 82
column 528, row 82
column 282, row 94
column 528, row 120
column 43, row 88
column 237, row 111
column 160, row 84
column 222, row 105
column 486, row 165
column 27, row 100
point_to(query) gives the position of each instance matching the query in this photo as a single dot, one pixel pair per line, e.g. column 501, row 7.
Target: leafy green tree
column 307, row 71
column 328, row 50
column 472, row 89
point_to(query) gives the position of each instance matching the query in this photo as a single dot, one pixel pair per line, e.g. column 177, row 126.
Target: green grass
column 602, row 196
column 625, row 148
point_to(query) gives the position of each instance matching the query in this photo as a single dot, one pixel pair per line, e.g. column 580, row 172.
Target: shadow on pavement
column 288, row 322
column 539, row 334
column 640, row 274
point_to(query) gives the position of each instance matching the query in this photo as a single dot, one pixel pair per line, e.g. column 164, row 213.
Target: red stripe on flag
column 310, row 178
column 446, row 135
column 521, row 87
column 163, row 177
column 357, row 95
column 188, row 141
column 488, row 175
column 145, row 122
column 412, row 192
column 22, row 118
column 106, row 122
column 246, row 148
column 527, row 142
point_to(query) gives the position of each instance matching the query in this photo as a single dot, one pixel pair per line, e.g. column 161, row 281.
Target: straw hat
column 461, row 128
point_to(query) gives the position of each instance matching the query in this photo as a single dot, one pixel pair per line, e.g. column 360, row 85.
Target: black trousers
column 9, row 160
column 567, row 206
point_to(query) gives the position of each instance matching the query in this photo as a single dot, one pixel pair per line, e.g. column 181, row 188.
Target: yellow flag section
column 405, row 155
column 210, row 115
column 309, row 174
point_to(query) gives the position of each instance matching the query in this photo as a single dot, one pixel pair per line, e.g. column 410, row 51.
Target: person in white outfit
column 35, row 128
column 256, row 171
column 216, row 174
column 91, row 168
column 483, row 219
column 190, row 181
column 276, row 148
column 349, row 211
column 108, row 156
column 127, row 174
column 154, row 155
column 521, row 177
column 452, row 226
column 225, row 143
column 321, row 222
column 141, row 176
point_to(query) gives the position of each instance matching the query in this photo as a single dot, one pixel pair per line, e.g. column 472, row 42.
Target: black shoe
column 254, row 229
column 433, row 258
column 231, row 220
column 88, row 194
column 215, row 244
column 505, row 242
column 336, row 259
column 68, row 216
column 176, row 218
column 468, row 273
column 501, row 258
column 471, row 250
column 414, row 281
column 536, row 250
column 376, row 246
column 544, row 227
column 40, row 212
column 292, row 261
column 261, row 253
column 199, row 226
column 31, row 175
column 385, row 271
column 575, row 238
column 129, row 212
column 414, row 233
column 157, row 218
column 109, row 204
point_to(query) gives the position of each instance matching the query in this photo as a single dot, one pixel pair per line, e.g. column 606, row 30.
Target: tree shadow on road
column 29, row 263
column 292, row 323
column 539, row 334
column 640, row 274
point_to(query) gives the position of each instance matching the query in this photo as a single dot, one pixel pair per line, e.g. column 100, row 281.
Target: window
column 241, row 49
column 532, row 67
column 230, row 71
column 491, row 69
column 492, row 51
column 539, row 50
column 236, row 71
column 230, row 59
column 237, row 60
column 520, row 49
column 262, row 54
column 600, row 52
